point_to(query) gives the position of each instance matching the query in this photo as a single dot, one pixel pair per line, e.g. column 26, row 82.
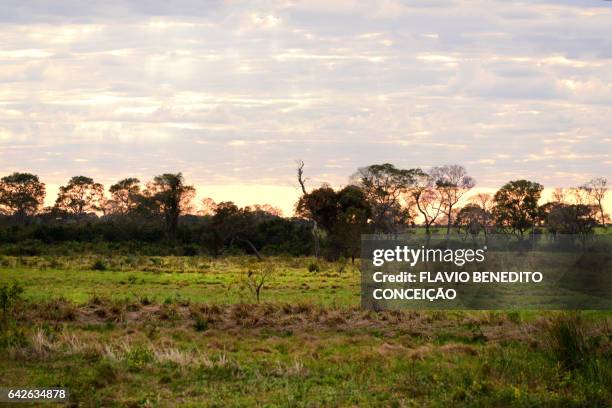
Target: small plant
column 132, row 279
column 314, row 267
column 169, row 312
column 256, row 278
column 9, row 295
column 145, row 300
column 138, row 357
column 99, row 265
column 201, row 324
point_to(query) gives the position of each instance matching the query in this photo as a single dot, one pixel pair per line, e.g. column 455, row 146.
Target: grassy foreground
column 146, row 331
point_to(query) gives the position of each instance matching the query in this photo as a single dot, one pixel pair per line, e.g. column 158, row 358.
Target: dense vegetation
column 161, row 218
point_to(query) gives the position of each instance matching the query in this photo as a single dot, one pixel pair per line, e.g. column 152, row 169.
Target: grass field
column 173, row 331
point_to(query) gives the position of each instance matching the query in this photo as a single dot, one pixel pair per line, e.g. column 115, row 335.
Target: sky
column 232, row 93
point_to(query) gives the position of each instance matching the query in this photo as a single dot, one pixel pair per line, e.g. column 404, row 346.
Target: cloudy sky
column 232, row 92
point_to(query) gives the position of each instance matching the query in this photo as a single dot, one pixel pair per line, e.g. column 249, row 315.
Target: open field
column 184, row 331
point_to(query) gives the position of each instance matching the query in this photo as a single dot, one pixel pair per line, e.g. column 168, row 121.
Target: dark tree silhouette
column 383, row 186
column 169, row 196
column 80, row 196
column 21, row 195
column 426, row 198
column 516, row 206
column 125, row 196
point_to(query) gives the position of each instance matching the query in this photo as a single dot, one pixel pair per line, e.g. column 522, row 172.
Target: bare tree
column 315, row 227
column 596, row 190
column 256, row 278
column 452, row 181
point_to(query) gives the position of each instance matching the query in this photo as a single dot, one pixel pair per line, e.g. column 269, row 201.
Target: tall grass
column 568, row 343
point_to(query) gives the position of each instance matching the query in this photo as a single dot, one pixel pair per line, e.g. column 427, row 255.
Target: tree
column 383, row 186
column 596, row 190
column 472, row 219
column 320, row 205
column 255, row 278
column 208, row 206
column 452, row 181
column 268, row 209
column 516, row 206
column 315, row 227
column 170, row 197
column 80, row 196
column 351, row 221
column 231, row 223
column 125, row 196
column 342, row 214
column 485, row 202
column 427, row 199
column 21, row 195
column 564, row 218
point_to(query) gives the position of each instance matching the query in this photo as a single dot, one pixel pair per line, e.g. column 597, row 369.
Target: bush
column 99, row 265
column 201, row 323
column 314, row 267
column 9, row 295
column 568, row 343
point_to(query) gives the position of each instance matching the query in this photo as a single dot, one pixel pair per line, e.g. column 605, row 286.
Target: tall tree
column 384, row 186
column 125, row 196
column 351, row 221
column 21, row 195
column 170, row 197
column 427, row 199
column 80, row 196
column 452, row 181
column 596, row 190
column 342, row 214
column 516, row 206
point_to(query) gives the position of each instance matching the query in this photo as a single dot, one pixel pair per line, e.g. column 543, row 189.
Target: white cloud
column 234, row 92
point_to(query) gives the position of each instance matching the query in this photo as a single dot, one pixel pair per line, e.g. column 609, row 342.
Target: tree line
column 380, row 198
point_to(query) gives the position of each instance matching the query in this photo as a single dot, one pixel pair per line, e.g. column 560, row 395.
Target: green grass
column 194, row 279
column 182, row 332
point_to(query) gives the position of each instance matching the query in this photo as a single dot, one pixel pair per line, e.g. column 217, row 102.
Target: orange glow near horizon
column 285, row 197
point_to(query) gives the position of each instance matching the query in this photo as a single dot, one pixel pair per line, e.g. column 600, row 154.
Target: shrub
column 9, row 295
column 568, row 343
column 314, row 267
column 201, row 323
column 99, row 265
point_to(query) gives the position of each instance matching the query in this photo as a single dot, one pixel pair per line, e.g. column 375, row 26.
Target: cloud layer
column 233, row 92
